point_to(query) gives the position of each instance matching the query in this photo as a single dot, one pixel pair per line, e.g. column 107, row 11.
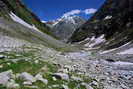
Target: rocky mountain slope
column 18, row 8
column 29, row 58
column 64, row 27
column 17, row 22
column 110, row 27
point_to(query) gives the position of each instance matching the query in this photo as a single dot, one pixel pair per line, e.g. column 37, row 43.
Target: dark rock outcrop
column 114, row 19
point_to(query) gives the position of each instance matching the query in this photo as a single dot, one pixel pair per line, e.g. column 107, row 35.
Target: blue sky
column 53, row 9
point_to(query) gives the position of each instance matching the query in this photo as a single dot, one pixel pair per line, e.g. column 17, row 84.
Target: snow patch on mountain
column 123, row 63
column 107, row 17
column 57, row 21
column 128, row 51
column 96, row 41
column 19, row 20
column 107, row 51
column 44, row 21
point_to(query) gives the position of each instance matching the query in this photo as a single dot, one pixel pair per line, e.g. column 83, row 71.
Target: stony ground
column 40, row 67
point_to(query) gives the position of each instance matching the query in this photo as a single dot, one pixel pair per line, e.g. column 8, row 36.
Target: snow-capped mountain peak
column 69, row 19
column 66, row 25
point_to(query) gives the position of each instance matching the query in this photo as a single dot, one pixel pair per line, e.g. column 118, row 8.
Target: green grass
column 34, row 68
column 2, row 87
column 22, row 65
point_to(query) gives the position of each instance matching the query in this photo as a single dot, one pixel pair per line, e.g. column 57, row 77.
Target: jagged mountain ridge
column 64, row 27
column 114, row 20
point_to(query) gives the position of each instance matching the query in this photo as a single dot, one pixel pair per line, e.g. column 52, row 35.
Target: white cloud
column 77, row 11
column 73, row 12
column 90, row 11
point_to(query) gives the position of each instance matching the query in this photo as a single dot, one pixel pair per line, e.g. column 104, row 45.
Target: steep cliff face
column 114, row 20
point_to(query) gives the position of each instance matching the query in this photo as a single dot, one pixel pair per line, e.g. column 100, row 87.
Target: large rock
column 5, row 77
column 2, row 56
column 61, row 76
column 27, row 77
column 40, row 78
column 12, row 84
column 87, row 86
column 76, row 78
column 65, row 87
